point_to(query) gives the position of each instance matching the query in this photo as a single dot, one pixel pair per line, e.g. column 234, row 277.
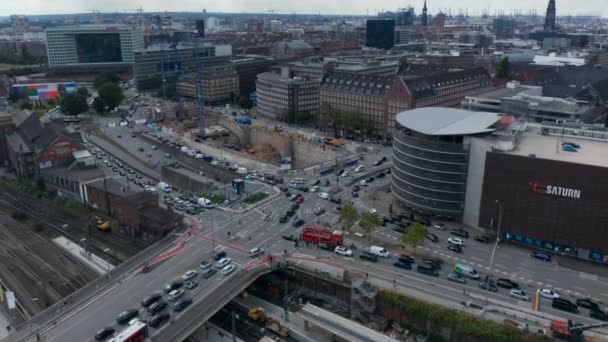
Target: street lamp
column 500, row 208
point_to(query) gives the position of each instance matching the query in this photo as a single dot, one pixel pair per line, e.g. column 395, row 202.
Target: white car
column 344, row 174
column 256, row 251
column 547, row 293
column 363, row 183
column 359, row 168
column 228, row 269
column 373, row 211
column 189, row 275
column 456, row 241
column 439, row 226
column 223, row 262
column 519, row 294
column 314, row 188
column 175, row 294
column 341, row 250
column 323, row 195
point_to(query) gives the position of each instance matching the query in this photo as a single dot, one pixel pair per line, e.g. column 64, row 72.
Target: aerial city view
column 310, row 171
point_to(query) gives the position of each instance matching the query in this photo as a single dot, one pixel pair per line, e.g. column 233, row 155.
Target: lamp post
column 500, row 208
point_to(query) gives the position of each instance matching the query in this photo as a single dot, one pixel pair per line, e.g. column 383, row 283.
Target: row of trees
column 340, row 120
column 413, row 235
column 109, row 96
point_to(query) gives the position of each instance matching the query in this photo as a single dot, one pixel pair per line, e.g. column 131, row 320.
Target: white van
column 379, row 251
column 297, row 181
column 205, row 202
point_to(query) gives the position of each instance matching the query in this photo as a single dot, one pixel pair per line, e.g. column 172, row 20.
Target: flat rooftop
column 499, row 93
column 591, row 152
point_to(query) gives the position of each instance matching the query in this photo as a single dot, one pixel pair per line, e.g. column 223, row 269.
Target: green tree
column 111, row 95
column 348, row 215
column 82, row 91
column 105, row 77
column 99, row 105
column 369, row 222
column 245, row 102
column 26, row 104
column 73, row 104
column 414, row 235
column 329, row 117
column 504, row 69
column 40, row 184
column 352, row 121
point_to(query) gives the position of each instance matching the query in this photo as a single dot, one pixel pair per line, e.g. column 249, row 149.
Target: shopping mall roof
column 447, row 121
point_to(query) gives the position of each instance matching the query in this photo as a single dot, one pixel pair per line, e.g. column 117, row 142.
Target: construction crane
column 140, row 15
column 199, row 92
column 176, row 67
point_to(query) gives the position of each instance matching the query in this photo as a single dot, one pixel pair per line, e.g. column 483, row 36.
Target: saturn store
column 548, row 204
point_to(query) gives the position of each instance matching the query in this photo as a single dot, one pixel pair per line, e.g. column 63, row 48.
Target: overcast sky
column 564, row 7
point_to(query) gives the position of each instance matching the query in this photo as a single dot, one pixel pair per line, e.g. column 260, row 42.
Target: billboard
column 548, row 204
column 42, row 91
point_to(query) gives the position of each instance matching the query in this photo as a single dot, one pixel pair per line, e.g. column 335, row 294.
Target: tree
column 40, row 184
column 105, row 77
column 348, row 216
column 82, row 91
column 352, row 121
column 329, row 117
column 99, row 105
column 414, row 235
column 26, row 104
column 504, row 69
column 245, row 102
column 111, row 95
column 369, row 222
column 74, row 104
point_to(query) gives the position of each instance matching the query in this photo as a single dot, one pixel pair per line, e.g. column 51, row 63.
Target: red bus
column 136, row 332
column 317, row 234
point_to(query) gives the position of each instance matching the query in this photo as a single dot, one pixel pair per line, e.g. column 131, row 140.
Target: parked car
column 208, row 273
column 460, row 232
column 341, row 250
column 228, row 269
column 423, row 220
column 432, row 237
column 284, row 219
column 289, row 237
column 126, row 316
column 439, row 226
column 368, row 256
column 104, row 333
column 326, row 247
column 205, row 265
column 519, row 295
column 455, row 241
column 219, row 255
column 548, row 293
column 223, row 262
column 319, row 211
column 457, row 278
column 190, row 284
column 482, row 239
column 541, row 256
column 507, row 284
column 189, row 274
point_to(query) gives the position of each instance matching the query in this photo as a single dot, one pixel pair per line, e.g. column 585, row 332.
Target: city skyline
column 355, row 7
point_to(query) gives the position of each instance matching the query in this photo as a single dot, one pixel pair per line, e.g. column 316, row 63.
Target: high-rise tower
column 424, row 15
column 550, row 17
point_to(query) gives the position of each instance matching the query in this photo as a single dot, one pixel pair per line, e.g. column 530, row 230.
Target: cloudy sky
column 564, row 7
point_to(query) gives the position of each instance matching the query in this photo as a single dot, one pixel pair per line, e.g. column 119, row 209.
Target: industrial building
column 82, row 48
column 291, row 99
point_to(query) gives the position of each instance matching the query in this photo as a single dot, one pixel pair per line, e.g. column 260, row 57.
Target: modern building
column 431, row 158
column 527, row 102
column 20, row 24
column 550, row 17
column 503, row 28
column 290, row 99
column 220, row 83
column 173, row 58
column 93, row 47
column 276, row 26
column 407, row 35
column 380, row 34
column 249, row 67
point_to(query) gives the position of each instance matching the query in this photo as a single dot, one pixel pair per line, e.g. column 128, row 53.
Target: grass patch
column 258, row 196
column 214, row 198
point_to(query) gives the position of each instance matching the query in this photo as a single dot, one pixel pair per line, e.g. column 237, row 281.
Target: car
column 548, row 293
column 373, row 211
column 341, row 250
column 587, row 303
column 455, row 241
column 189, row 275
column 356, row 188
column 176, row 284
column 541, row 256
column 345, row 174
column 435, row 263
column 363, row 183
column 564, row 304
column 175, row 294
column 399, row 229
column 380, row 175
column 157, row 307
column 122, row 173
column 104, row 333
column 300, row 200
column 115, row 169
column 507, row 284
column 482, row 239
column 151, row 299
column 423, row 220
column 368, row 256
column 404, row 265
column 315, row 188
column 439, row 226
column 284, row 219
column 335, row 200
column 323, row 195
column 289, row 237
column 190, row 284
column 219, row 255
column 158, row 319
column 406, row 258
column 359, row 168
column 205, row 265
column 326, row 247
column 488, row 285
column 460, row 232
column 298, row 223
column 457, row 278
column 228, row 269
column 126, row 316
column 182, row 304
column 208, row 273
column 519, row 295
column 223, row 262
column 454, row 248
column 254, row 252
column 370, row 179
column 432, row 237
column 319, row 211
column 598, row 314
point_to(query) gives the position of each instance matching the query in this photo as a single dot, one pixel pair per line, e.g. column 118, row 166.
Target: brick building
column 219, row 83
column 140, row 215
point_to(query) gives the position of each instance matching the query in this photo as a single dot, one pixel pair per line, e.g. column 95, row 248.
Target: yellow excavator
column 258, row 314
column 104, row 226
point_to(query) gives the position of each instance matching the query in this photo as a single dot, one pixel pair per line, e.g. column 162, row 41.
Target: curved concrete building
column 431, row 157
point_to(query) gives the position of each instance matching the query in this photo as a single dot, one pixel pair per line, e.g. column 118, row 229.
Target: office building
column 92, row 47
column 20, row 24
column 503, row 28
column 276, row 26
column 290, row 99
column 220, row 83
column 200, row 28
column 550, row 17
column 175, row 58
column 407, row 35
column 380, row 34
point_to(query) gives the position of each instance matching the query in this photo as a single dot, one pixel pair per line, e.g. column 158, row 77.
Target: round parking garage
column 431, row 157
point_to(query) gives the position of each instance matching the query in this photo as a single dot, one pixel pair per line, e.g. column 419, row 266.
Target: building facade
column 380, row 34
column 220, row 83
column 287, row 98
column 92, row 47
column 503, row 28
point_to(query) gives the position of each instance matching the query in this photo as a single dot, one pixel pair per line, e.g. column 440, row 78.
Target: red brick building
column 140, row 215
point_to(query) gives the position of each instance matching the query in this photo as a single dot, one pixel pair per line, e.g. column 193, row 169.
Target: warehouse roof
column 447, row 121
